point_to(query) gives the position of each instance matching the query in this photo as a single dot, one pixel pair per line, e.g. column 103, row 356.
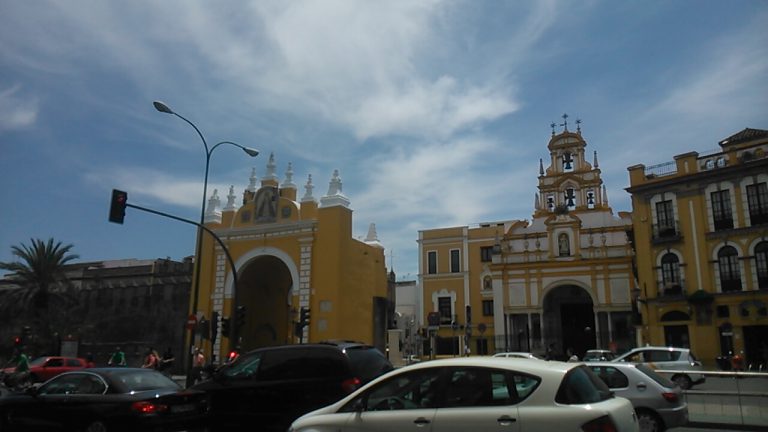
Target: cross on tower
column 578, row 125
column 565, row 123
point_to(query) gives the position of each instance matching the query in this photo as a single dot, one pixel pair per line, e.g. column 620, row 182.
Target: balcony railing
column 669, row 231
column 758, row 217
column 671, row 289
column 723, row 224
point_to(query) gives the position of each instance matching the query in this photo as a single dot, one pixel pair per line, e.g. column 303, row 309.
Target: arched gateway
column 569, row 320
column 291, row 254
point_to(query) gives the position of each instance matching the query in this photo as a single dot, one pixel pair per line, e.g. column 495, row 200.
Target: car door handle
column 506, row 420
column 641, row 386
column 421, row 421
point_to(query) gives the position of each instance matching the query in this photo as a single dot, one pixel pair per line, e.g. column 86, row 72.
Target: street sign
column 191, row 322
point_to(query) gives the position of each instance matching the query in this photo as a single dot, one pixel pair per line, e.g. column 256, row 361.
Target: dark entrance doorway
column 569, row 321
column 578, row 323
column 756, row 346
column 263, row 289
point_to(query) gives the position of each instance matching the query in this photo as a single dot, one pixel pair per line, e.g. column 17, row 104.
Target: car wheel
column 96, row 426
column 683, row 381
column 649, row 421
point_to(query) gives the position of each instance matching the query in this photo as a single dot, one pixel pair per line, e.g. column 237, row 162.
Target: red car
column 44, row 368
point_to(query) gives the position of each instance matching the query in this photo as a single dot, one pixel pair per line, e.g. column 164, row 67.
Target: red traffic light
column 117, row 206
column 18, row 341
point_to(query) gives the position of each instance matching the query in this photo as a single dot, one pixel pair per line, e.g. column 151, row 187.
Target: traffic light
column 204, row 328
column 239, row 316
column 18, row 341
column 304, row 317
column 117, row 206
column 214, row 326
column 469, row 314
column 225, row 327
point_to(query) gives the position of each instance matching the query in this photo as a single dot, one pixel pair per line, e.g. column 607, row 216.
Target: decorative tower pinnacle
column 212, row 213
column 252, row 181
column 335, row 197
column 271, row 169
column 308, row 190
column 594, row 162
column 541, row 167
column 231, row 199
column 288, row 182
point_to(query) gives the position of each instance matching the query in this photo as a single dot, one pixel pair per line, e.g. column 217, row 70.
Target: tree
column 38, row 271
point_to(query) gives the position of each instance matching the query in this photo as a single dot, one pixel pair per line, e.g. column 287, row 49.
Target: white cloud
column 16, row 110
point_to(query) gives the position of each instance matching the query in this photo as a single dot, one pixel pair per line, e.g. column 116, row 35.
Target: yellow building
column 562, row 281
column 701, row 231
column 291, row 254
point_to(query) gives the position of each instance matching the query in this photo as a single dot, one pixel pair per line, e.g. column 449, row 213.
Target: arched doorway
column 263, row 288
column 569, row 320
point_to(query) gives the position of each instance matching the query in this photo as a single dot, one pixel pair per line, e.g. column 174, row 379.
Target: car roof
column 522, row 364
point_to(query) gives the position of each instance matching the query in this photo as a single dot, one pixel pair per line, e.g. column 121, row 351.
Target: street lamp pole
column 160, row 106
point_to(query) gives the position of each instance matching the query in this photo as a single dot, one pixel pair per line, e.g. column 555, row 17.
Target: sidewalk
column 715, row 411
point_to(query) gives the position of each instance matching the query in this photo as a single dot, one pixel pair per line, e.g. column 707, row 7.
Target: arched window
column 728, row 263
column 761, row 264
column 675, row 316
column 670, row 274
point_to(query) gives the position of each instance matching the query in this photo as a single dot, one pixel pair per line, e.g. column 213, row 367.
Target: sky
column 435, row 113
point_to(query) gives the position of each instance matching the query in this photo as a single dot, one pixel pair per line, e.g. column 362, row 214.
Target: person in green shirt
column 117, row 359
column 21, row 376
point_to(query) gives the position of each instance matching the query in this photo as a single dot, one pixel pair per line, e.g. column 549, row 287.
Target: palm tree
column 40, row 268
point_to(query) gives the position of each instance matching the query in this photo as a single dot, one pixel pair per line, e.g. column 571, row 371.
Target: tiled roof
column 745, row 135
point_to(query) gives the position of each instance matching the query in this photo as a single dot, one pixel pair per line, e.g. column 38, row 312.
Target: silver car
column 668, row 358
column 658, row 402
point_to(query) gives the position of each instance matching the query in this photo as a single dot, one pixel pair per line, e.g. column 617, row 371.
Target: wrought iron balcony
column 671, row 289
column 669, row 231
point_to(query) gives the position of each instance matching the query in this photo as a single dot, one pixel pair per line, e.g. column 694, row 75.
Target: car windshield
column 582, row 386
column 655, row 376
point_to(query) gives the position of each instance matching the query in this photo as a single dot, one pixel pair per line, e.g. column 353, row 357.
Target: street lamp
column 163, row 108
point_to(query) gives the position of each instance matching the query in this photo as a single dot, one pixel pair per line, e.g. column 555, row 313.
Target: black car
column 271, row 387
column 105, row 400
column 367, row 362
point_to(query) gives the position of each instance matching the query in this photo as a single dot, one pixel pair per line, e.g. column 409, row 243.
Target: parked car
column 598, row 355
column 273, row 386
column 478, row 394
column 105, row 400
column 525, row 355
column 658, row 402
column 668, row 358
column 46, row 367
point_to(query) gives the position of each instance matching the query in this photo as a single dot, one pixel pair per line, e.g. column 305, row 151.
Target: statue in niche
column 564, row 244
column 266, row 204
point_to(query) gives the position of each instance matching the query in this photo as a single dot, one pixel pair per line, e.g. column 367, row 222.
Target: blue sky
column 434, row 112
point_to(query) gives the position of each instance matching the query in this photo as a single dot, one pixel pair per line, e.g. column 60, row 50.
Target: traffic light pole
column 235, row 330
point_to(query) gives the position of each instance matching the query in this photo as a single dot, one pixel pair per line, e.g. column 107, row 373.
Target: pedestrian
column 550, row 352
column 118, row 358
column 151, row 359
column 166, row 362
column 198, row 362
column 21, row 376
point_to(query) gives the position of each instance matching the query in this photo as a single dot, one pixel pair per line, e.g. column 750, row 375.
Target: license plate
column 183, row 408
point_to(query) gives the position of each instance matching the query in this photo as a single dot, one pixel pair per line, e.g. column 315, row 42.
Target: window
column 590, row 199
column 723, row 311
column 446, row 312
column 486, row 253
column 431, row 262
column 416, row 390
column 757, row 198
column 761, row 264
column 580, row 386
column 611, row 376
column 670, row 274
column 455, row 261
column 665, row 218
column 487, row 307
column 728, row 263
column 721, row 210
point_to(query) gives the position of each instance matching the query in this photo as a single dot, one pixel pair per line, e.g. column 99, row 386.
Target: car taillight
column 350, row 385
column 146, row 407
column 669, row 396
column 602, row 424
